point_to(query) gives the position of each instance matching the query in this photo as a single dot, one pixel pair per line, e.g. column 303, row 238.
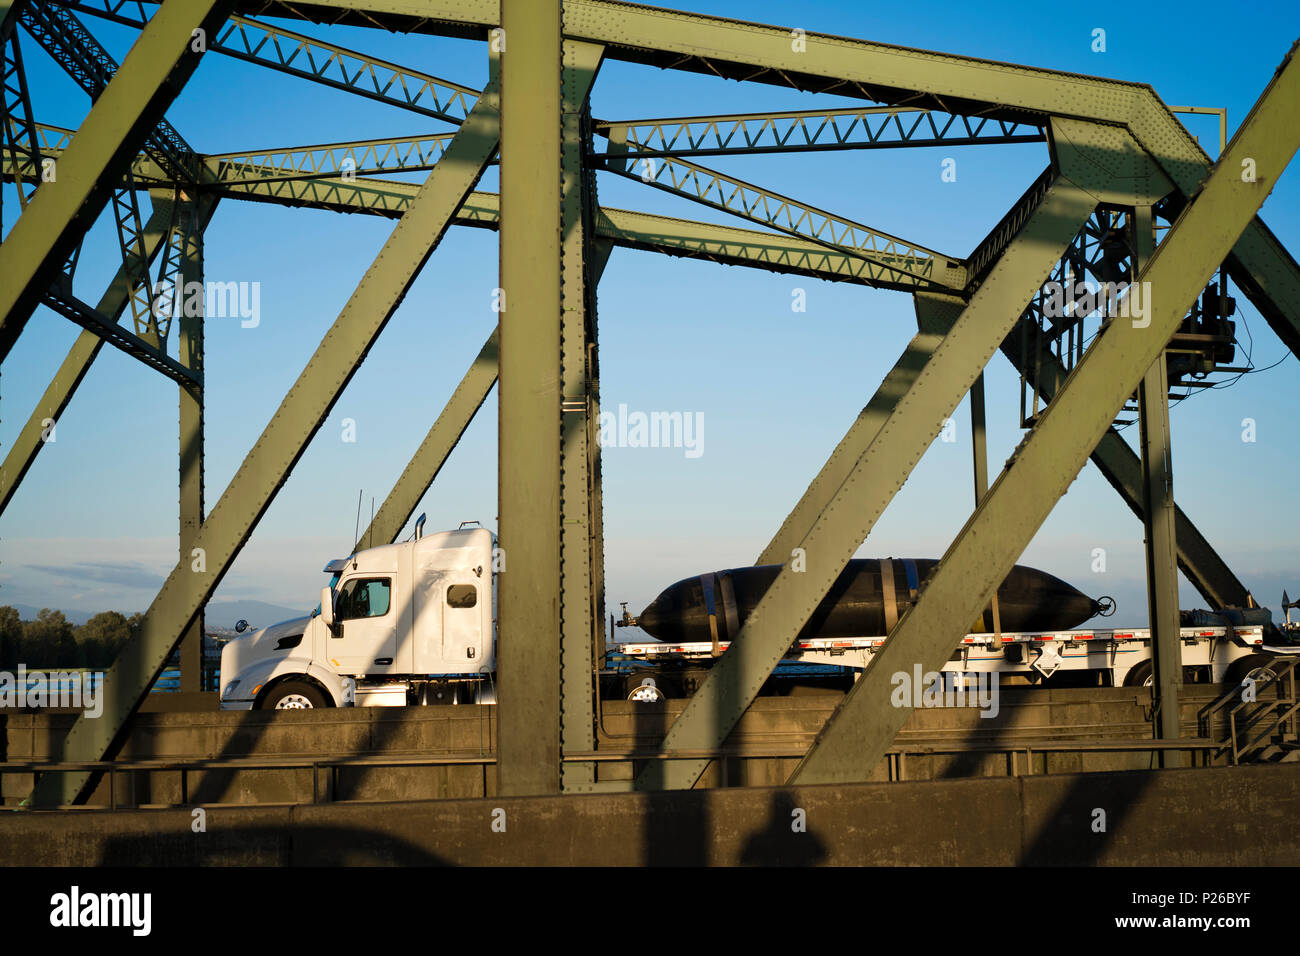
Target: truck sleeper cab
column 396, row 622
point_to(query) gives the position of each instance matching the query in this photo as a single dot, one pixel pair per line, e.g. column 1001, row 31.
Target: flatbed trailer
column 1117, row 656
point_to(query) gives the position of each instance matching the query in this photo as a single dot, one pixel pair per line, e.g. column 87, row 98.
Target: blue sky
column 93, row 526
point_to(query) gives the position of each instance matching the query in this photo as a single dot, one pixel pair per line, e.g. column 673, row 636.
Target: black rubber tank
column 856, row 606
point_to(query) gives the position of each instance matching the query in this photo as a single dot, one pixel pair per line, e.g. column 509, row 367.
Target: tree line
column 52, row 641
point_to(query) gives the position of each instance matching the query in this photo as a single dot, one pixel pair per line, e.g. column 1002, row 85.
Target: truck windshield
column 333, row 581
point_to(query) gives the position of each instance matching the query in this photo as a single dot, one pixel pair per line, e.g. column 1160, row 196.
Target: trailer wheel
column 1257, row 667
column 646, row 692
column 293, row 695
column 1140, row 674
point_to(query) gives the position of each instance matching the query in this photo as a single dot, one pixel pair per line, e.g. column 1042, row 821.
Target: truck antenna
column 356, row 528
column 370, row 532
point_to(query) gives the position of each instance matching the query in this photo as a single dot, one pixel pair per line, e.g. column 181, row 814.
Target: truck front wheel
column 293, row 695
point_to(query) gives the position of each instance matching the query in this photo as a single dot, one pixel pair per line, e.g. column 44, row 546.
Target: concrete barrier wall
column 775, row 722
column 1241, row 816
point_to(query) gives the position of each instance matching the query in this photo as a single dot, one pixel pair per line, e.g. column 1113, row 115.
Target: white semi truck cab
column 409, row 623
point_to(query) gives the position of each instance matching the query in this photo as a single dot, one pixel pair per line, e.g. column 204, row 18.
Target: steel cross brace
column 1047, row 461
column 321, row 62
column 102, row 151
column 90, row 66
column 867, row 127
column 895, row 259
column 115, row 335
column 764, row 54
column 731, row 245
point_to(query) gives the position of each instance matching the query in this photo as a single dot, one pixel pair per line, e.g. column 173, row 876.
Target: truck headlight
column 230, row 689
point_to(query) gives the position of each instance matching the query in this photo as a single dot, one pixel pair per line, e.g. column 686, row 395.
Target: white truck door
column 364, row 640
column 462, row 615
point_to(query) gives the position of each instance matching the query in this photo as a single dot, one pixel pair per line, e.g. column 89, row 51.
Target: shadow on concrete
column 1067, row 837
column 268, row 846
column 779, row 843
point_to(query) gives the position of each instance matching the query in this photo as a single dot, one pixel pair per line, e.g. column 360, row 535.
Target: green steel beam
column 529, row 391
column 780, row 131
column 1158, row 522
column 1122, row 468
column 1259, row 264
column 868, row 127
column 999, row 237
column 601, row 249
column 1270, row 277
column 634, row 230
column 325, row 63
column 283, row 442
column 1108, row 161
column 1118, row 170
column 980, row 467
column 857, row 68
column 865, row 428
column 759, row 53
column 695, row 182
column 19, row 139
column 149, row 352
column 1048, row 460
column 89, row 65
column 100, row 154
column 53, row 140
column 330, row 160
column 729, row 245
column 9, row 10
column 895, row 259
column 875, row 477
column 580, row 619
column 186, row 240
column 74, row 367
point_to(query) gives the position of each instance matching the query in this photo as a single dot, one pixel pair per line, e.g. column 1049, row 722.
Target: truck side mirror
column 327, row 607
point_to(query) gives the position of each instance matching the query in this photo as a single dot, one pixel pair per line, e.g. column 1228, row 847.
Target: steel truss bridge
column 1128, row 196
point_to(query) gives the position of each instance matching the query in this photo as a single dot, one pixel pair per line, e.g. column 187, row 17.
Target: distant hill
column 221, row 615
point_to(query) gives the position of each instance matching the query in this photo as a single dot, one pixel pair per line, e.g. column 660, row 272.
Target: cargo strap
column 887, row 596
column 996, row 643
column 706, row 582
column 729, row 607
column 982, row 624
